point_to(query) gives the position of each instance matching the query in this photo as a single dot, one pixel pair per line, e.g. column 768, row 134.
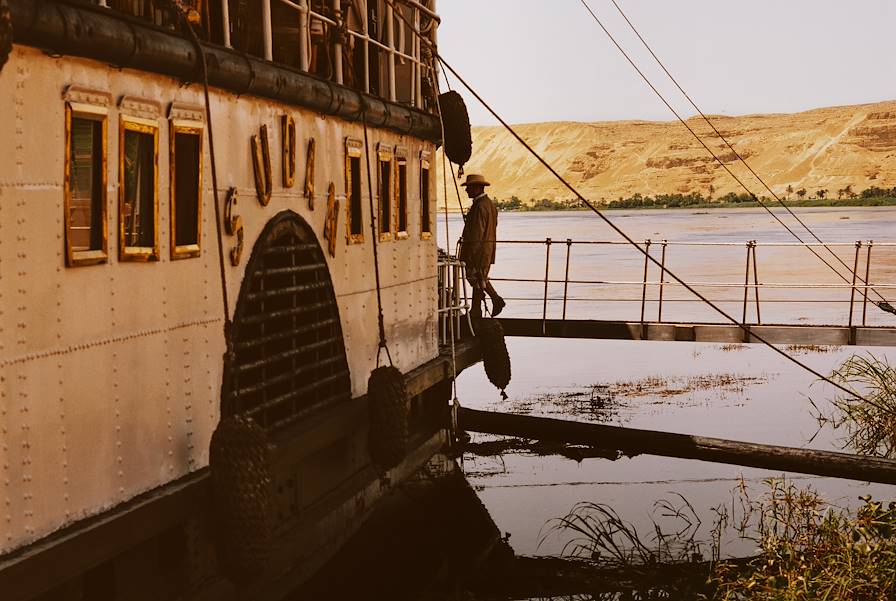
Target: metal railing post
column 337, row 44
column 390, row 41
column 566, row 276
column 644, row 286
column 659, row 313
column 266, row 33
column 756, row 284
column 746, row 285
column 225, row 22
column 852, row 290
column 547, row 269
column 304, row 57
column 365, row 21
column 867, row 280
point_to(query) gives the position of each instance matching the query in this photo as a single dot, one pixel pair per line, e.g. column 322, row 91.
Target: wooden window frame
column 144, row 126
column 384, row 154
column 98, row 112
column 425, row 234
column 401, row 159
column 353, row 150
column 185, row 120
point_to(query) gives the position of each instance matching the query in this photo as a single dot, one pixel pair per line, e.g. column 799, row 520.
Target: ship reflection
column 432, row 539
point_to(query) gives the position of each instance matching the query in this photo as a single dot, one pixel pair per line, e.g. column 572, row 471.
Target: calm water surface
column 741, row 392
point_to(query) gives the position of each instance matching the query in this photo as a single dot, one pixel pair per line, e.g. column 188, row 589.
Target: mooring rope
column 383, row 344
column 882, row 304
column 182, row 12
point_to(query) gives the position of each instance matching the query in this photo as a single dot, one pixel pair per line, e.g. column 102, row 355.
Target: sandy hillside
column 822, row 148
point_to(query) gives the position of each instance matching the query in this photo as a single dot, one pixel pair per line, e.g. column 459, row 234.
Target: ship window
column 86, row 240
column 138, row 196
column 186, row 191
column 354, row 216
column 401, row 191
column 425, row 223
column 384, row 192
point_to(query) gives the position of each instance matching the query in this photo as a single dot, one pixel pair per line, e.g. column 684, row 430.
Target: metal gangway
column 607, row 289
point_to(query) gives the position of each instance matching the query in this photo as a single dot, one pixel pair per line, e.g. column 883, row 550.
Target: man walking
column 477, row 249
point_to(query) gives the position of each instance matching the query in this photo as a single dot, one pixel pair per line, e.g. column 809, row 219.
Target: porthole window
column 185, row 166
column 138, row 196
column 86, row 230
column 425, row 212
column 401, row 194
column 354, row 214
column 384, row 190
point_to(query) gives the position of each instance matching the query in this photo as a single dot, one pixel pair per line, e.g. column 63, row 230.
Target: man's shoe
column 497, row 306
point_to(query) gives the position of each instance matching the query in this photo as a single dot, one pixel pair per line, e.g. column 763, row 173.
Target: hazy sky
column 547, row 60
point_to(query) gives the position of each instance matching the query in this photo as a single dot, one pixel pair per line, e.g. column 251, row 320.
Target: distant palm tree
column 822, row 193
column 789, row 190
column 801, row 192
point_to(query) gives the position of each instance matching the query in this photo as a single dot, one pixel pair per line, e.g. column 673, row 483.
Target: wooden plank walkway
column 700, row 332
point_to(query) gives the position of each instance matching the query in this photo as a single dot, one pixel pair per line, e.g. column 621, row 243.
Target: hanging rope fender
column 457, row 137
column 389, row 409
column 241, row 481
column 5, row 33
column 495, row 357
column 387, row 394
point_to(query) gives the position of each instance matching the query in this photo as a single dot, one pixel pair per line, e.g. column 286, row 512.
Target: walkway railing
column 452, row 293
column 757, row 298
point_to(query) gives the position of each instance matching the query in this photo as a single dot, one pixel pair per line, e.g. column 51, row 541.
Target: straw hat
column 474, row 179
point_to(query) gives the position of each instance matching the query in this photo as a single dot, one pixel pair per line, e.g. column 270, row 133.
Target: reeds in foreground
column 870, row 423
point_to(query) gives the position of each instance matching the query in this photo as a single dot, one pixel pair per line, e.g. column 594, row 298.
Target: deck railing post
column 566, row 276
column 267, row 37
column 659, row 312
column 756, row 284
column 644, row 287
column 304, row 57
column 366, row 47
column 746, row 285
column 547, row 268
column 225, row 22
column 852, row 291
column 390, row 42
column 867, row 281
column 337, row 44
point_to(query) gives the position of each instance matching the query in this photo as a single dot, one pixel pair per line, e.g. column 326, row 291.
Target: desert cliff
column 827, row 148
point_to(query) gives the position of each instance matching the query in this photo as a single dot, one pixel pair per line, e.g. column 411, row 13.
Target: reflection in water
column 732, row 391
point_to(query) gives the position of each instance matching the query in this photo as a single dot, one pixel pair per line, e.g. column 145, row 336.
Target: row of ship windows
column 391, row 193
column 86, row 231
column 86, row 235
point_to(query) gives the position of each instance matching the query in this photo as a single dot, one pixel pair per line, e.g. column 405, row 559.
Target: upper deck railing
column 363, row 44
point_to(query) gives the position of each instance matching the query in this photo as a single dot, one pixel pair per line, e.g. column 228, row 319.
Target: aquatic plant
column 870, row 422
column 806, row 548
column 810, row 550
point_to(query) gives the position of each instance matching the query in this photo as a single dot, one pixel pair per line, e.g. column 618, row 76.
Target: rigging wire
column 625, row 236
column 882, row 304
column 643, row 250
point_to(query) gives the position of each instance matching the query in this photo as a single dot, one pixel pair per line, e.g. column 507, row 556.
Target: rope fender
column 495, row 357
column 5, row 32
column 241, row 480
column 457, row 137
column 389, row 406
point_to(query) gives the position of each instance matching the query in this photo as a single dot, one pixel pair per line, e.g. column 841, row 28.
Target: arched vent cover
column 289, row 355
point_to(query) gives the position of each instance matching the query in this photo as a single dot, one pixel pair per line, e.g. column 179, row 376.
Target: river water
column 740, row 392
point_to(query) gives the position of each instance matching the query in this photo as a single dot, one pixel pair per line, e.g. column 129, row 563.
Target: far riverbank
column 551, row 206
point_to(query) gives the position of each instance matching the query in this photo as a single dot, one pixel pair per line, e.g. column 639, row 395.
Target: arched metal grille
column 289, row 355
